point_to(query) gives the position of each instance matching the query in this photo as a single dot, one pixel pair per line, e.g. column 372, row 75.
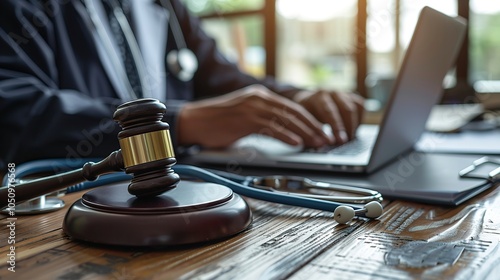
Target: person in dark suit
column 60, row 84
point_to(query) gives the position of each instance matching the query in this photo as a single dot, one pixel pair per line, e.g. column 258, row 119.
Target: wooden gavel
column 146, row 153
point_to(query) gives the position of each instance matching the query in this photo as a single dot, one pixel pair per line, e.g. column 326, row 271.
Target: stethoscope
column 289, row 190
column 182, row 63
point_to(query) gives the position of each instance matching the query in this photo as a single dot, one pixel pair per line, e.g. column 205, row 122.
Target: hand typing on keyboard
column 352, row 147
column 342, row 111
column 220, row 121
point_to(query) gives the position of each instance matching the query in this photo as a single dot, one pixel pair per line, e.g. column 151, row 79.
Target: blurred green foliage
column 485, row 47
column 484, row 55
column 203, row 7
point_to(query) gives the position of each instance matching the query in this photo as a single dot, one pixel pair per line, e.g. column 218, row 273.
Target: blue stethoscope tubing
column 243, row 188
column 238, row 184
column 55, row 166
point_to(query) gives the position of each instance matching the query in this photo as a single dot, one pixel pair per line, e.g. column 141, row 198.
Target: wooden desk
column 282, row 242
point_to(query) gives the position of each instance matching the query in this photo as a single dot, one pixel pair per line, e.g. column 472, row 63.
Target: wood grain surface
column 410, row 241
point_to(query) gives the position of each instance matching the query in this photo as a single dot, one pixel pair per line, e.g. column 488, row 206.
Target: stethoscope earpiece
column 344, row 213
column 372, row 209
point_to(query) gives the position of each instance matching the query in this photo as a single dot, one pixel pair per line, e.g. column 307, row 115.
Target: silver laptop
column 432, row 51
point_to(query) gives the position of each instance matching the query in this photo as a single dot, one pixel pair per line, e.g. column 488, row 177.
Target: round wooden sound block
column 192, row 212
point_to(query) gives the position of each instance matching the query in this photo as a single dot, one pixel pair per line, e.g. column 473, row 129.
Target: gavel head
column 146, row 147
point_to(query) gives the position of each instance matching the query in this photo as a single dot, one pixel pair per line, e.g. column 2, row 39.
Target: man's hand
column 220, row 121
column 342, row 111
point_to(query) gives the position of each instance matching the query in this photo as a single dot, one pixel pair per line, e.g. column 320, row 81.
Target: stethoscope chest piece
column 39, row 205
column 182, row 64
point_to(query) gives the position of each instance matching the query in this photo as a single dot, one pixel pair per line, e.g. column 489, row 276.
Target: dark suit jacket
column 56, row 100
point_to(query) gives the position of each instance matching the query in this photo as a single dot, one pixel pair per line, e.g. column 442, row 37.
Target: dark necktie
column 123, row 45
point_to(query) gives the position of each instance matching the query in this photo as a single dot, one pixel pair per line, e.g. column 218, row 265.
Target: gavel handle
column 35, row 188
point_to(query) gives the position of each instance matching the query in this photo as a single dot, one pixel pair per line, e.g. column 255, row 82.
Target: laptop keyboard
column 354, row 147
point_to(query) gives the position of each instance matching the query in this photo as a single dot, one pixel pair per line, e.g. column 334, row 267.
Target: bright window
column 484, row 72
column 317, row 47
column 316, row 43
